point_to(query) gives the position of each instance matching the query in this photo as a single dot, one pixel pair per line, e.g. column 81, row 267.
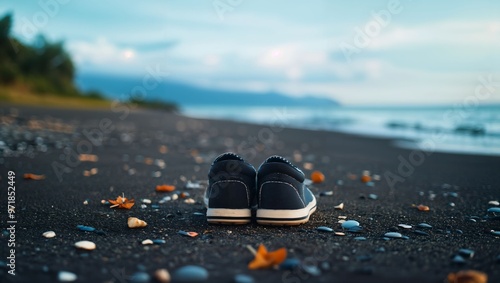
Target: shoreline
column 126, row 164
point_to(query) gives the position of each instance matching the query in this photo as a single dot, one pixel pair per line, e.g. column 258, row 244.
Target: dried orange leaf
column 265, row 259
column 468, row 276
column 422, row 207
column 30, row 176
column 122, row 202
column 165, row 188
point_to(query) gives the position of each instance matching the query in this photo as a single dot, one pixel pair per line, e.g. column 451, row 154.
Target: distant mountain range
column 189, row 95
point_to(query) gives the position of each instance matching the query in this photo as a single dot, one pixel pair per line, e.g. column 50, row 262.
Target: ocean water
column 457, row 129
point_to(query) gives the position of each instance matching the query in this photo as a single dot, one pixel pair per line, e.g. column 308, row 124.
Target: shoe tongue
column 228, row 156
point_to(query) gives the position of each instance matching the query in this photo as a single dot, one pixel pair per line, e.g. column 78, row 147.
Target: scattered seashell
column 49, row 234
column 342, row 217
column 422, row 207
column 189, row 234
column 339, row 233
column 85, row 202
column 339, row 207
column 134, row 222
column 85, row 245
column 317, row 177
column 189, row 201
column 147, row 242
column 308, row 166
column 162, row 275
column 175, row 196
column 468, row 276
column 66, row 276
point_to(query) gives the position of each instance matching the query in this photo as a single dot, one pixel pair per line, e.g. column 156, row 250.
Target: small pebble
column 290, row 264
column 189, row 201
column 355, row 229
column 372, row 196
column 159, row 241
column 147, row 242
column 85, row 202
column 494, row 209
column 143, row 206
column 419, row 232
column 175, row 196
column 424, row 225
column 370, row 184
column 312, row 270
column 496, row 233
column 190, row 273
column 452, row 204
column 324, row 229
column 364, row 258
column 327, row 193
column 66, row 276
column 85, row 228
column 339, row 234
column 350, row 223
column 140, row 277
column 49, row 234
column 394, row 235
column 85, row 245
column 134, row 222
column 405, row 226
column 147, row 201
column 494, row 202
column 243, row 278
column 458, row 259
column 380, row 250
column 155, row 206
column 466, row 253
column 162, row 275
column 359, row 238
column 199, row 213
column 376, row 177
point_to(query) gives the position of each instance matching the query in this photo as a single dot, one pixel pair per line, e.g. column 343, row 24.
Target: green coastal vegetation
column 42, row 73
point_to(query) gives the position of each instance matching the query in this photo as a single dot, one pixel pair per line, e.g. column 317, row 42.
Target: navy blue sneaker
column 230, row 193
column 282, row 197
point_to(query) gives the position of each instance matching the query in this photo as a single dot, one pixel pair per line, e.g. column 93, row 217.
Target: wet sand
column 127, row 146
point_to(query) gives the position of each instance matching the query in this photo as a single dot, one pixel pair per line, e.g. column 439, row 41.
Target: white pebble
column 148, row 201
column 85, row 202
column 66, row 276
column 376, row 177
column 452, row 204
column 175, row 196
column 86, row 245
column 406, row 226
column 189, row 201
column 494, row 202
column 49, row 234
column 147, row 242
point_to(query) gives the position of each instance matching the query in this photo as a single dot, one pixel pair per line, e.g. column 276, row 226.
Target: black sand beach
column 127, row 146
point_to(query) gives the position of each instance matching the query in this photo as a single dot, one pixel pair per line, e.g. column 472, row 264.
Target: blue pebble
column 324, row 229
column 140, row 277
column 242, row 278
column 190, row 273
column 155, row 206
column 159, row 241
column 290, row 264
column 85, row 228
column 360, row 239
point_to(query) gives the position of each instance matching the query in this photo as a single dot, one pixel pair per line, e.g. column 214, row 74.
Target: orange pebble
column 366, row 178
column 317, row 177
column 422, row 207
column 165, row 188
column 468, row 276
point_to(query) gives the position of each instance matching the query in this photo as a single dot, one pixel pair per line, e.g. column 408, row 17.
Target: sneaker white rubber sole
column 287, row 217
column 229, row 216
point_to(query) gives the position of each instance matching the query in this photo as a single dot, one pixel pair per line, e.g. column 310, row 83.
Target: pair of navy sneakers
column 276, row 189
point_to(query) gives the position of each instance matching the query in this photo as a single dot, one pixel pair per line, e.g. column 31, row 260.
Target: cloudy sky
column 357, row 52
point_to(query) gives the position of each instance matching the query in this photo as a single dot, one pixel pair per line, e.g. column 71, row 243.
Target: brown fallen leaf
column 122, row 202
column 468, row 276
column 30, row 176
column 165, row 188
column 265, row 259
